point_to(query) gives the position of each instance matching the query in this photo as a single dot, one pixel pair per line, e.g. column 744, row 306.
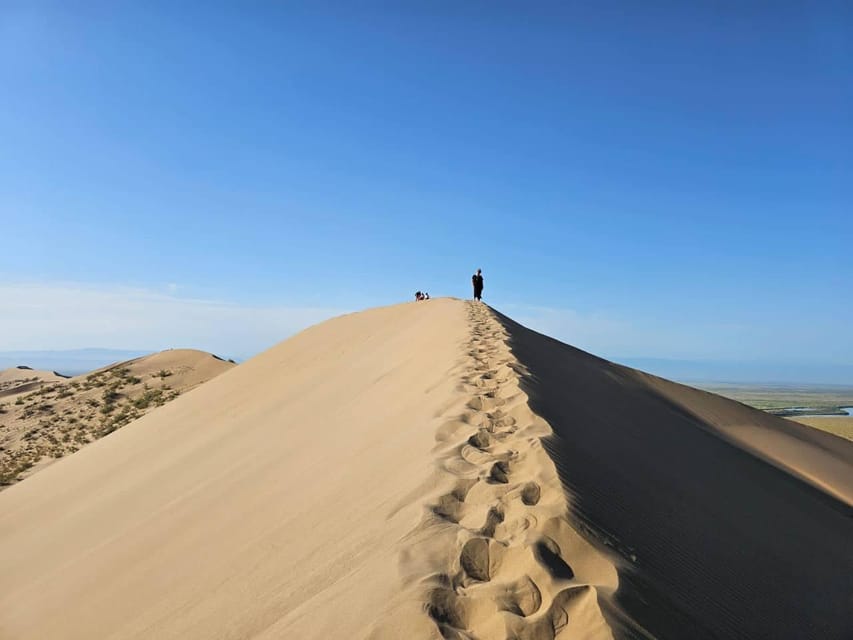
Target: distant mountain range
column 76, row 361
column 743, row 372
column 70, row 362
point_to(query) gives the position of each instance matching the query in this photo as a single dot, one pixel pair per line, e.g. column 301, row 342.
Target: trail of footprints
column 508, row 578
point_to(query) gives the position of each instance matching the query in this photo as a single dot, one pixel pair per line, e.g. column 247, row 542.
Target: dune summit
column 434, row 470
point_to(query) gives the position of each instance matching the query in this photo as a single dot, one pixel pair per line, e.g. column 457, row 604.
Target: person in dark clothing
column 477, row 281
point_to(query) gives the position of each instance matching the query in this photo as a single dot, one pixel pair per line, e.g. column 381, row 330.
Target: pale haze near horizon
column 639, row 184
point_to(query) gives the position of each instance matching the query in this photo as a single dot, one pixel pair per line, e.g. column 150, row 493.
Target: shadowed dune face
column 695, row 496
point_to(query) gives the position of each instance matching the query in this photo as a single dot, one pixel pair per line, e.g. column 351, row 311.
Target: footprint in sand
column 481, row 439
column 522, row 597
column 530, row 493
column 484, row 448
column 547, row 552
column 474, row 559
column 499, row 472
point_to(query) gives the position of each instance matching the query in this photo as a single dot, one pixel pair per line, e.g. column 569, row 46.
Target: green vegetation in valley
column 787, row 400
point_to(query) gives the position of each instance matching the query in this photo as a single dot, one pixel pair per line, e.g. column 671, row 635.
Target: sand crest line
column 507, row 567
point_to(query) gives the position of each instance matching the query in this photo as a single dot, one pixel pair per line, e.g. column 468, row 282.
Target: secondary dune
column 842, row 427
column 45, row 416
column 433, row 470
column 22, row 379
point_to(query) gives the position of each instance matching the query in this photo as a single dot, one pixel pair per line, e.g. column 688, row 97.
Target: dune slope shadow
column 714, row 541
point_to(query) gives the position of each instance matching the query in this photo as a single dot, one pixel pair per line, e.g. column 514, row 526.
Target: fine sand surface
column 433, row 470
column 840, row 426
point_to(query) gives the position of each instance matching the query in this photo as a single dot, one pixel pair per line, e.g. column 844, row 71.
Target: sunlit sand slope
column 269, row 500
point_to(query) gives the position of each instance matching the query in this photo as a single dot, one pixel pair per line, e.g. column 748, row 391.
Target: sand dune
column 23, row 379
column 842, row 427
column 45, row 416
column 433, row 470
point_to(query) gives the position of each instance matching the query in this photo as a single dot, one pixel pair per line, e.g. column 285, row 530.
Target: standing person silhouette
column 477, row 281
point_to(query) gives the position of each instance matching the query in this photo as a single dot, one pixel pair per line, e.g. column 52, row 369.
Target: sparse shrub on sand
column 109, row 397
column 74, row 413
column 148, row 398
column 126, row 415
column 15, row 467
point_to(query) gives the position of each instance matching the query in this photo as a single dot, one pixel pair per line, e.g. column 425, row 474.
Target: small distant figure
column 477, row 281
column 421, row 295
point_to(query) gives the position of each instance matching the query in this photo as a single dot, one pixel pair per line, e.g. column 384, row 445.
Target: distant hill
column 68, row 362
column 693, row 371
column 45, row 416
column 22, row 379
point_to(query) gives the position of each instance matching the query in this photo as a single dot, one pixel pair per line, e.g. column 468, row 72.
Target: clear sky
column 671, row 180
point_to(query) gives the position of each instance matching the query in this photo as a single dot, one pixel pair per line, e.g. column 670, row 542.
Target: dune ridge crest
column 494, row 555
column 434, row 470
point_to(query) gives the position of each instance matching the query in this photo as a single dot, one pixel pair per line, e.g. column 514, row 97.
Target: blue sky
column 669, row 181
